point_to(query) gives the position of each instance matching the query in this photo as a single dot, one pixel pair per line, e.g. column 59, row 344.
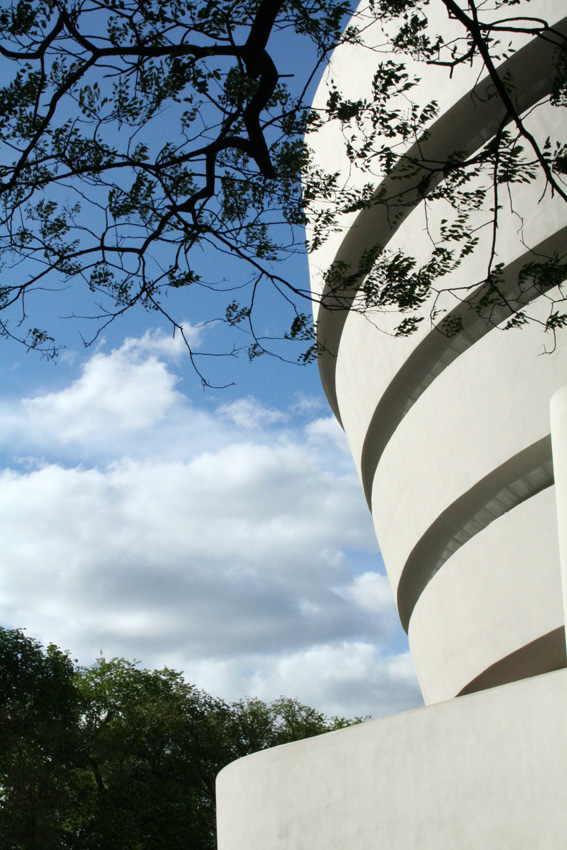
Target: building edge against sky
column 452, row 439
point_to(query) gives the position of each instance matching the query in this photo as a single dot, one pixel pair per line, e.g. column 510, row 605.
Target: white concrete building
column 452, row 438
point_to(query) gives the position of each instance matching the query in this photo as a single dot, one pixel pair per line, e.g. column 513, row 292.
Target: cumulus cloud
column 129, row 389
column 327, row 430
column 230, row 539
column 223, row 545
column 133, row 396
column 371, row 591
column 123, row 402
column 250, row 414
column 346, row 679
column 307, row 405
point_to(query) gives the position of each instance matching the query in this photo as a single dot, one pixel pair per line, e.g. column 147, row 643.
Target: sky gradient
column 221, row 533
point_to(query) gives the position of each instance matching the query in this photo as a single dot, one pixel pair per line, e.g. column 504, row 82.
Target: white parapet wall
column 483, row 772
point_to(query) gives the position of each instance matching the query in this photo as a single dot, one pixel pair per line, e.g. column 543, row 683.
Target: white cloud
column 248, row 413
column 349, row 678
column 124, row 402
column 172, row 345
column 307, row 405
column 327, row 430
column 189, row 541
column 112, row 389
column 129, row 389
column 372, row 592
column 228, row 546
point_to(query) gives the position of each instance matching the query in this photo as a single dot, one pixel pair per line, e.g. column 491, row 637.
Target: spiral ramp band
column 450, row 432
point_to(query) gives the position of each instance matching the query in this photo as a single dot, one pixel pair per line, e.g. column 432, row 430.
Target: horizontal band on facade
column 513, row 482
column 543, row 655
column 438, row 349
column 465, row 127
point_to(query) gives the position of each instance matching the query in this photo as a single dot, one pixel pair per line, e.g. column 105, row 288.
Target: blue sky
column 219, row 532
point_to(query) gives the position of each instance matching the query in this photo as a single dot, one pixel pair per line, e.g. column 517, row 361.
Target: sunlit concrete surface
column 451, row 434
column 484, row 772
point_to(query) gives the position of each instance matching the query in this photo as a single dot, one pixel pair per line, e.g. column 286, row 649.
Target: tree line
column 116, row 756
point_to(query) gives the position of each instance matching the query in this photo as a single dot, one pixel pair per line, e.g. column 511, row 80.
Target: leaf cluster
column 464, row 193
column 143, row 142
column 141, row 135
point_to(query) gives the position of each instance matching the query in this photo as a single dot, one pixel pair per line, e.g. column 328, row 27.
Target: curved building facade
column 451, row 436
column 451, row 432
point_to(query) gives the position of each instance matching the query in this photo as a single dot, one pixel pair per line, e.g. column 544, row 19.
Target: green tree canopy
column 39, row 715
column 115, row 756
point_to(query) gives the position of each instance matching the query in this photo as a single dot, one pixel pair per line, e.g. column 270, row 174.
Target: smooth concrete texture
column 360, row 391
column 542, row 655
column 451, row 435
column 558, row 414
column 482, row 772
column 478, row 610
column 465, row 125
column 435, row 352
column 476, row 415
column 517, row 481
